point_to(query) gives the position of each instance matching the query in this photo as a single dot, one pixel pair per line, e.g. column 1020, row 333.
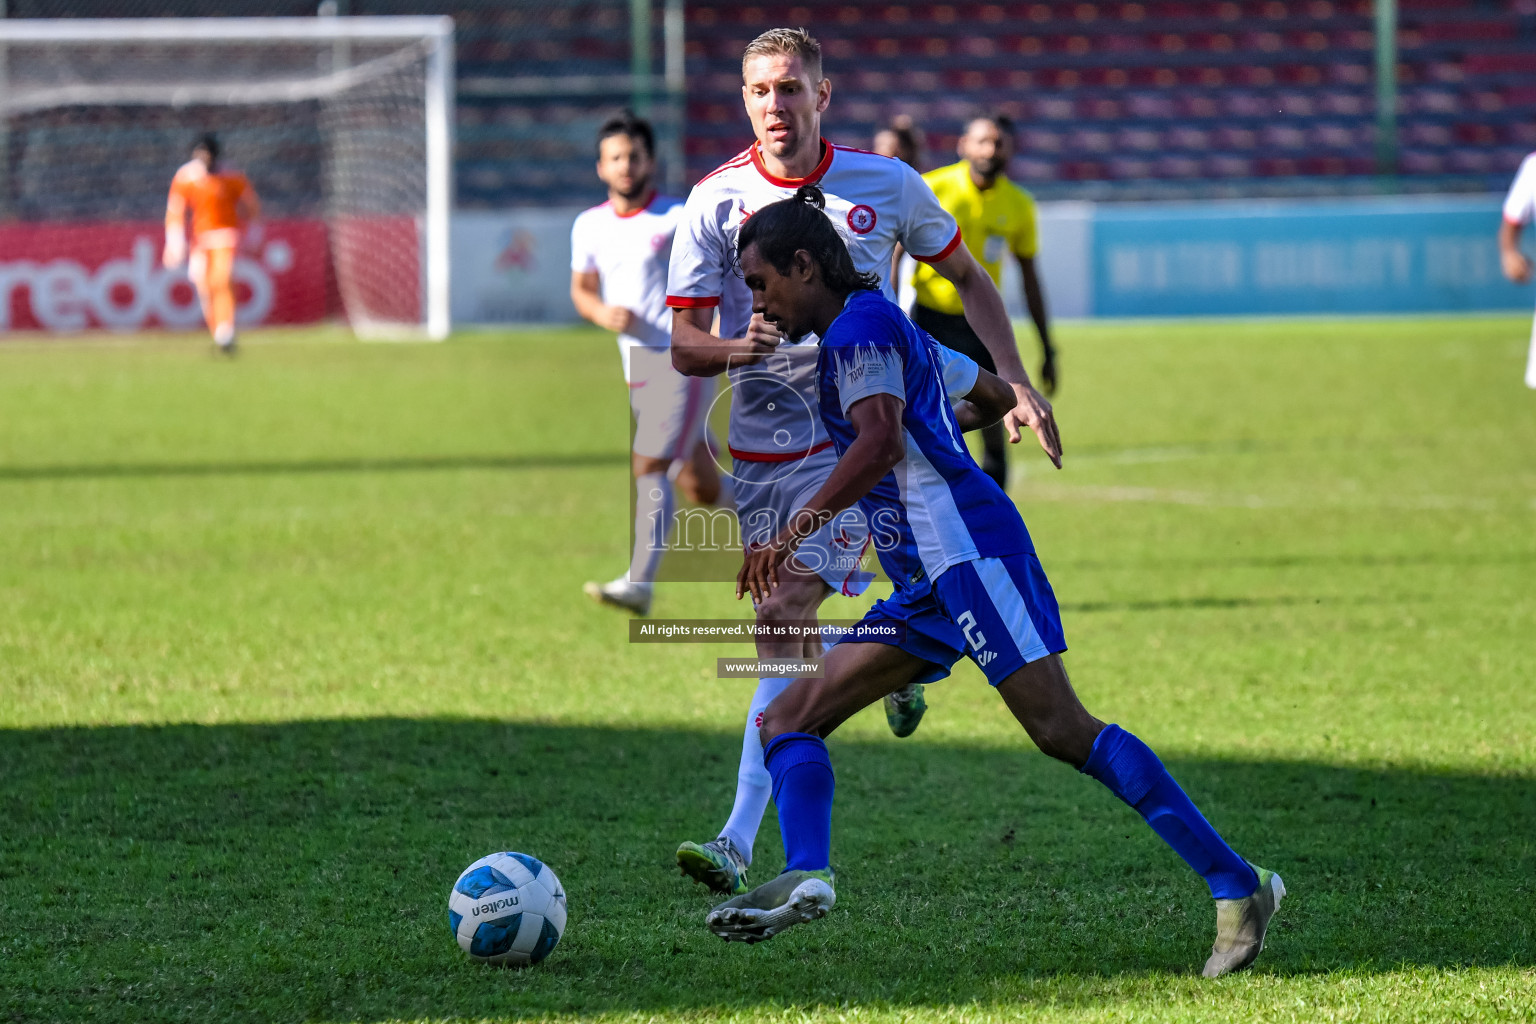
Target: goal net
column 342, row 126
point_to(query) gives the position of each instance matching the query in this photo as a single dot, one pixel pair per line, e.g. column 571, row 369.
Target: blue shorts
column 999, row 612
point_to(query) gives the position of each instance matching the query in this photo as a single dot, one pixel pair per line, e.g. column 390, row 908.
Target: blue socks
column 1134, row 774
column 802, row 791
column 803, row 785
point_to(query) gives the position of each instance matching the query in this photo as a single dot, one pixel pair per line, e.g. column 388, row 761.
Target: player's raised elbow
column 689, row 357
column 992, row 397
column 684, row 359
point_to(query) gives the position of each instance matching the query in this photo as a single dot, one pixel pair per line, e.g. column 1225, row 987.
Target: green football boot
column 717, row 864
column 1241, row 924
column 795, row 897
column 905, row 708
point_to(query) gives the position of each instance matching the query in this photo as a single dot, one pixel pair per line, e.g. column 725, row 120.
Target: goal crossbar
column 277, row 91
column 139, row 30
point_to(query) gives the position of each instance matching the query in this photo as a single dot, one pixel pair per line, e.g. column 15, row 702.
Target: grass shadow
column 299, row 871
column 296, row 467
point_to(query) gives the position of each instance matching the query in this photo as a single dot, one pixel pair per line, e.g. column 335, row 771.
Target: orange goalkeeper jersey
column 213, row 197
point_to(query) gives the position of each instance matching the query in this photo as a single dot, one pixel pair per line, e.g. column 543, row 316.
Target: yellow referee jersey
column 992, row 224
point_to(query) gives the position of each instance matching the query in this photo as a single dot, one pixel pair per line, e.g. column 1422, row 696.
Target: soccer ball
column 508, row 909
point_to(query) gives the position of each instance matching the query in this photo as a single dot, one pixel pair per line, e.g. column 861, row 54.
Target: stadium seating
column 1114, row 99
column 1145, row 99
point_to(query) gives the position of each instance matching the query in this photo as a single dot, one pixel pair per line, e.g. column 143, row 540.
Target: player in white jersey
column 619, row 254
column 1519, row 207
column 781, row 451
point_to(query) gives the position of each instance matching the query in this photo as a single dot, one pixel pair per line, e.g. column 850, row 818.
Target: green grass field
column 285, row 643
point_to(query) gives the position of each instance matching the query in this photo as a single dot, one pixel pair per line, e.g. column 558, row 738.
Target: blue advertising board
column 1398, row 255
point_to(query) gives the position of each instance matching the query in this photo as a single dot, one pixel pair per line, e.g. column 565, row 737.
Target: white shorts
column 671, row 409
column 768, row 493
column 1530, row 361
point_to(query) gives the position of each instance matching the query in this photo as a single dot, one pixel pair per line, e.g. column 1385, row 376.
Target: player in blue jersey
column 966, row 579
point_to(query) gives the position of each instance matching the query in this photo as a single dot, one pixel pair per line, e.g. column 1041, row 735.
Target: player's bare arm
column 986, row 403
column 1034, row 301
column 587, row 297
column 876, row 450
column 697, row 352
column 175, row 230
column 248, row 210
column 988, row 317
column 1517, row 267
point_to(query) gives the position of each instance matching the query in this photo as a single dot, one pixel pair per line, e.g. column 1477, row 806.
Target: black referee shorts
column 953, row 332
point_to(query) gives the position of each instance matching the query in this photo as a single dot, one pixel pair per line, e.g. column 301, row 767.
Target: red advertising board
column 76, row 277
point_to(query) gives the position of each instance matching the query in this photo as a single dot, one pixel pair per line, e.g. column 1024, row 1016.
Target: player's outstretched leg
column 795, row 897
column 857, row 674
column 1042, row 699
column 221, row 299
column 721, row 864
column 803, row 785
column 655, row 503
column 1241, row 925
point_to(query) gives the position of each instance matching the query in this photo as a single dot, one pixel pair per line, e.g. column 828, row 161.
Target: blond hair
column 786, row 42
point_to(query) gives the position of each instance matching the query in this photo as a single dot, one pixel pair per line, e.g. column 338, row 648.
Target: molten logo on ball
column 508, row 909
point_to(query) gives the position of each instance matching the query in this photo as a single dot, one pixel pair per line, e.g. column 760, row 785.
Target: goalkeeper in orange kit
column 224, row 207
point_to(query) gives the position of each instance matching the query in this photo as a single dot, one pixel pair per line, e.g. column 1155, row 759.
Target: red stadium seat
column 1501, row 63
column 1225, row 165
column 1167, row 89
column 1462, row 31
column 1236, row 138
column 1127, row 168
column 1142, row 140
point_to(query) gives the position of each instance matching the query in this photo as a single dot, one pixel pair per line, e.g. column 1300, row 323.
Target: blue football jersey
column 936, row 508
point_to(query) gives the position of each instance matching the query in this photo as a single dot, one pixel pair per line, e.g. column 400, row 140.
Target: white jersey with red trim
column 873, row 201
column 1520, row 204
column 629, row 252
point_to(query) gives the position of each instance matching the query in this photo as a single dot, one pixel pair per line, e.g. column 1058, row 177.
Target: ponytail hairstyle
column 781, row 229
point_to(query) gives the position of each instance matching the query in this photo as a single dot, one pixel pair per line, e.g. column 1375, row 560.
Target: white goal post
column 340, row 122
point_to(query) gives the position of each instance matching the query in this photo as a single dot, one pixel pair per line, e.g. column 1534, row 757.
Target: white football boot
column 620, row 593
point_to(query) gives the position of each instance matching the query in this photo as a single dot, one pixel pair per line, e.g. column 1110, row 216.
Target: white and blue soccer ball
column 508, row 909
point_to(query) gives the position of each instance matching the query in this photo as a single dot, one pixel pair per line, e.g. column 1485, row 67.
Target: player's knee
column 1063, row 735
column 700, row 492
column 779, row 718
column 795, row 599
column 778, row 608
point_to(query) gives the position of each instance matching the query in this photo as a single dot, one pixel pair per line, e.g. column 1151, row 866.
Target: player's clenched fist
column 1516, row 266
column 617, row 318
column 175, row 251
column 762, row 337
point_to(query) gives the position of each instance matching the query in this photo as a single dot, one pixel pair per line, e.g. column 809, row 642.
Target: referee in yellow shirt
column 996, row 217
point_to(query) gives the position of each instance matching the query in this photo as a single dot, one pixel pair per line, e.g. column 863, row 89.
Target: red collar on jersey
column 809, row 179
column 639, row 209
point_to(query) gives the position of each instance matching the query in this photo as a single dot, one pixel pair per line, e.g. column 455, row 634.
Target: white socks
column 754, row 786
column 655, row 502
